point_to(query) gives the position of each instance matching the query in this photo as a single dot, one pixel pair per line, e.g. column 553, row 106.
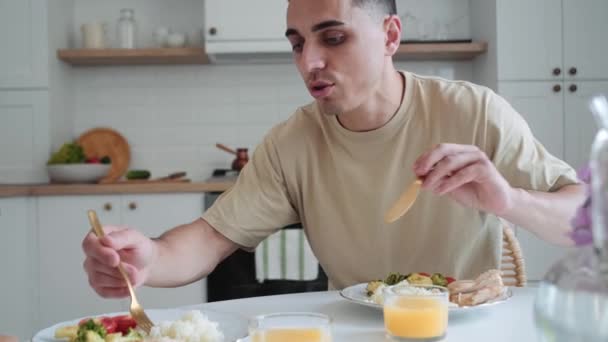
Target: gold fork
column 137, row 312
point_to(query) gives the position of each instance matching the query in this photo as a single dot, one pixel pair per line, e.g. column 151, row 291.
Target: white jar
column 93, row 35
column 127, row 29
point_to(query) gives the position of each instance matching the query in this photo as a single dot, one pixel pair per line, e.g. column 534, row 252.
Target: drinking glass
column 415, row 312
column 290, row 326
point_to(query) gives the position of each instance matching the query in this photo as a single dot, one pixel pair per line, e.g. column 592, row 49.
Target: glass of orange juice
column 416, row 312
column 290, row 326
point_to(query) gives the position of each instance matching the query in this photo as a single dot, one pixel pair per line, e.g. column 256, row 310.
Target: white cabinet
column 234, row 26
column 549, row 39
column 24, row 136
column 18, row 288
column 24, row 57
column 153, row 215
column 585, row 46
column 64, row 289
column 65, row 292
column 580, row 124
column 539, row 103
column 529, row 39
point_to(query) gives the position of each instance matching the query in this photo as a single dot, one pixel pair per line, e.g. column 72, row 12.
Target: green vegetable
column 439, row 280
column 105, row 160
column 138, row 174
column 394, row 278
column 85, row 328
column 69, row 153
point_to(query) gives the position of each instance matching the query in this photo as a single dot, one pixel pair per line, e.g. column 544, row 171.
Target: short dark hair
column 382, row 6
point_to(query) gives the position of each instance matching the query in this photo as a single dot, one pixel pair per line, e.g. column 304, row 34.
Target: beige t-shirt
column 339, row 184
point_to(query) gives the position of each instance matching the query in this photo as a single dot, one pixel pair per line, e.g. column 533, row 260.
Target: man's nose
column 313, row 58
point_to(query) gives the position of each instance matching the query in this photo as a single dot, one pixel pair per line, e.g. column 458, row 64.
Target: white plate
column 358, row 294
column 233, row 326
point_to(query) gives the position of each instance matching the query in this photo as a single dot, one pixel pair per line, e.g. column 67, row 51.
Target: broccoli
column 69, row 153
column 394, row 278
column 90, row 325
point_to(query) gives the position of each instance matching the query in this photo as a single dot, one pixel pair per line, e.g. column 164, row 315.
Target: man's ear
column 392, row 29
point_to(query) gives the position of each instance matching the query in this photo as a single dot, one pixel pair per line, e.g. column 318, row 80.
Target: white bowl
column 77, row 173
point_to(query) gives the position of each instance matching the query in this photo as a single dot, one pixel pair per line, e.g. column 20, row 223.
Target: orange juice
column 416, row 317
column 291, row 335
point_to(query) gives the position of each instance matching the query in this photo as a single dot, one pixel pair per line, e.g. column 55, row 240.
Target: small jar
column 127, row 28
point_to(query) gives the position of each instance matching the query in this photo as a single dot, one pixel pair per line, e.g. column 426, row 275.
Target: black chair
column 235, row 278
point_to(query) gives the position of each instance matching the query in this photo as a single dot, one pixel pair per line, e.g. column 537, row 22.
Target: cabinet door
column 529, row 39
column 64, row 288
column 24, row 57
column 585, row 45
column 18, row 286
column 542, row 107
column 24, row 136
column 259, row 24
column 580, row 124
column 153, row 215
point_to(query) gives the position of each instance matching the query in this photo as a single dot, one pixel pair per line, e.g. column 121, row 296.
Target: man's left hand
column 464, row 173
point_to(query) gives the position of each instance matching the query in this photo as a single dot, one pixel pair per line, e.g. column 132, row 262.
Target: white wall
column 425, row 19
column 60, row 21
column 172, row 116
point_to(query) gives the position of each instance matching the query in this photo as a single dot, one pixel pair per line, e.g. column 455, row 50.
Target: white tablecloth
column 506, row 322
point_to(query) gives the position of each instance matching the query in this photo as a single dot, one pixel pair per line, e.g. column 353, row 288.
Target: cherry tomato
column 449, row 279
column 109, row 323
column 124, row 323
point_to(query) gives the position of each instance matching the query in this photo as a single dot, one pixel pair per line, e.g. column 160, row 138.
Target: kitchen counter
column 10, row 190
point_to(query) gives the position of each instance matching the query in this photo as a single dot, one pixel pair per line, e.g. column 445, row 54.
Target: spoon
column 404, row 203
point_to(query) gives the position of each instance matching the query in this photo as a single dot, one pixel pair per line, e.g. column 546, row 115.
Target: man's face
column 339, row 50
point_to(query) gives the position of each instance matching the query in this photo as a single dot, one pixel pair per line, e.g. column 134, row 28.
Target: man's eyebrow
column 291, row 32
column 316, row 27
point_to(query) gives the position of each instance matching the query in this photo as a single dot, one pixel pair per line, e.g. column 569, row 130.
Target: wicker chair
column 512, row 266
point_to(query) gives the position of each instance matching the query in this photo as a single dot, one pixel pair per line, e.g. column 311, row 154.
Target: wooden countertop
column 10, row 190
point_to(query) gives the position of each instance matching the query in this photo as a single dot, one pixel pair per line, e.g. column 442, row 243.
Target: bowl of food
column 70, row 165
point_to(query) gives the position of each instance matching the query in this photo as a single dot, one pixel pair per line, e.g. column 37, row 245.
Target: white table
column 509, row 321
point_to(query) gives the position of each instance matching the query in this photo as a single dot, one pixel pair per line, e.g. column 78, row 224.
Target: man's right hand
column 102, row 256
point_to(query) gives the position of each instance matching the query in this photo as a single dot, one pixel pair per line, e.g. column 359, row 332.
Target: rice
column 193, row 326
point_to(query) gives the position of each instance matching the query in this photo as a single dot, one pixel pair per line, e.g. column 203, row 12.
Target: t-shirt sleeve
column 518, row 155
column 258, row 204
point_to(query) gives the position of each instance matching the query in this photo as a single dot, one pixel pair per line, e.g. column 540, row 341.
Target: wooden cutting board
column 99, row 142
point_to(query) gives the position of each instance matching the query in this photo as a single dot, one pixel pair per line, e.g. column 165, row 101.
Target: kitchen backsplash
column 172, row 116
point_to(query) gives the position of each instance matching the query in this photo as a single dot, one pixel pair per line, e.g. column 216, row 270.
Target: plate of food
column 171, row 325
column 465, row 295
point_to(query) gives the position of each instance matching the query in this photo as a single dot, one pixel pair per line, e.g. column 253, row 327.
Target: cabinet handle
column 557, row 71
column 573, row 88
column 213, row 31
column 107, row 207
column 573, row 71
column 557, row 88
column 132, row 205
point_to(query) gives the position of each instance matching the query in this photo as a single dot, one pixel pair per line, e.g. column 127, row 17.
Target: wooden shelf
column 441, row 51
column 407, row 51
column 133, row 56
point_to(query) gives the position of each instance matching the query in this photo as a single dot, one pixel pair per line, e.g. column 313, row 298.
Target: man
column 339, row 163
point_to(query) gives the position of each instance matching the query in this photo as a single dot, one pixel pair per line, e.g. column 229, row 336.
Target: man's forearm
column 546, row 214
column 188, row 253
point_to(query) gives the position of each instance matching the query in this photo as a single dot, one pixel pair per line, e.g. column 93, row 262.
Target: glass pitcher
column 572, row 300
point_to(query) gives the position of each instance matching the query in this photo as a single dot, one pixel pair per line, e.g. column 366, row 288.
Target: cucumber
column 138, row 174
